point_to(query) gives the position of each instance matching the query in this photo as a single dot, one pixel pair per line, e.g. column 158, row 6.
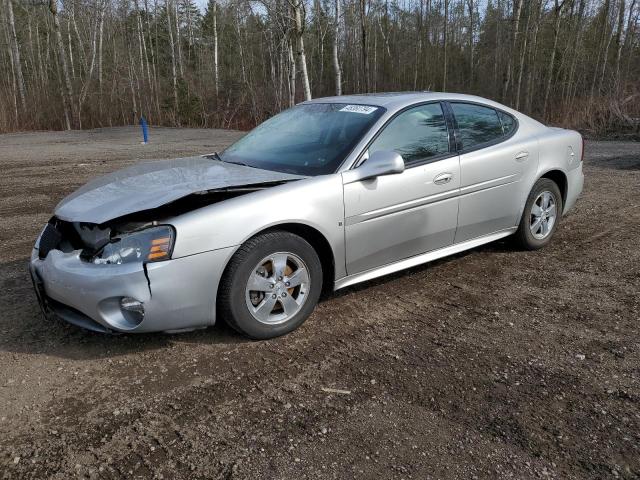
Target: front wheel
column 271, row 285
column 541, row 215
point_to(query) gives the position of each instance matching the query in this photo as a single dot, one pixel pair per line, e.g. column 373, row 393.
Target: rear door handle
column 522, row 156
column 443, row 178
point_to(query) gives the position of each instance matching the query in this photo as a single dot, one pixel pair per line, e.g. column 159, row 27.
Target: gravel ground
column 495, row 363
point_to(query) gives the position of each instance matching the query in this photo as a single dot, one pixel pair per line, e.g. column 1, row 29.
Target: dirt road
column 496, row 363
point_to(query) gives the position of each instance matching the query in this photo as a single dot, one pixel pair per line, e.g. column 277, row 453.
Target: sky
column 202, row 4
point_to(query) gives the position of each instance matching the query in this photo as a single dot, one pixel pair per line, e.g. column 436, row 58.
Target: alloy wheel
column 277, row 288
column 543, row 215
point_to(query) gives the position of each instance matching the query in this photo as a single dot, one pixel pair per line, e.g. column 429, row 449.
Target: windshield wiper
column 240, row 163
column 216, row 156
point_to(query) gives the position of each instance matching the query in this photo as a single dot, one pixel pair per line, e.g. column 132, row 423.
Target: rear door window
column 477, row 125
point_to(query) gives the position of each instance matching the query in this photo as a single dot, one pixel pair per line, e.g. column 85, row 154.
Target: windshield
column 311, row 139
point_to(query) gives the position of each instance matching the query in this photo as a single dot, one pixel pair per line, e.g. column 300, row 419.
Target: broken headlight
column 149, row 245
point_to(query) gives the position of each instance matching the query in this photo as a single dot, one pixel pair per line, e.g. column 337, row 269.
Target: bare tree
column 445, row 38
column 178, row 38
column 79, row 42
column 523, row 52
column 298, row 31
column 67, row 92
column 620, row 26
column 532, row 54
column 292, row 75
column 216, row 73
column 87, row 82
column 15, row 54
column 336, row 39
column 608, row 38
column 418, row 52
column 470, row 6
column 552, row 59
column 632, row 22
column 173, row 59
column 11, row 80
column 517, row 10
column 363, row 38
column 100, row 76
column 601, row 47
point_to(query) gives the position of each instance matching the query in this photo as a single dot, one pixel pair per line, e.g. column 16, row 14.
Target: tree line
column 88, row 63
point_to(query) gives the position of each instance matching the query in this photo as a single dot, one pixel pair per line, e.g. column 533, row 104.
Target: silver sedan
column 332, row 192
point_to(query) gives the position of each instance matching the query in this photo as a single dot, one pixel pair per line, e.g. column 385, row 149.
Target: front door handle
column 443, row 178
column 522, row 156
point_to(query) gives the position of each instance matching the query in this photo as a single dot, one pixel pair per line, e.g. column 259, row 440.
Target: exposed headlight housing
column 150, row 245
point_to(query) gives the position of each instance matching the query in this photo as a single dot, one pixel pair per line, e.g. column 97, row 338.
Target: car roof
column 396, row 100
column 381, row 99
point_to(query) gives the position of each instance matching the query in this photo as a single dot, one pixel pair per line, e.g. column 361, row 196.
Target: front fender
column 315, row 202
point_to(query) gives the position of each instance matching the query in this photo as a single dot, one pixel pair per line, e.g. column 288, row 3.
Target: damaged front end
column 140, row 236
column 116, row 242
column 105, row 259
column 119, row 275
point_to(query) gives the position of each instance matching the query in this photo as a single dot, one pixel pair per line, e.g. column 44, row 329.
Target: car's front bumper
column 177, row 294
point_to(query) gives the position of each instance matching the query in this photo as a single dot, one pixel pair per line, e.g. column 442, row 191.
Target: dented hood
column 150, row 185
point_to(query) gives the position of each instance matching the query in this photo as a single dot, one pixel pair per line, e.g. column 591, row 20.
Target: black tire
column 232, row 303
column 523, row 236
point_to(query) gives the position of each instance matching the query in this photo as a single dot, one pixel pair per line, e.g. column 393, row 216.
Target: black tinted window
column 508, row 123
column 476, row 124
column 416, row 134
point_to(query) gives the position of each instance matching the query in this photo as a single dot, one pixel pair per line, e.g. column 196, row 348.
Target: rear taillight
column 582, row 152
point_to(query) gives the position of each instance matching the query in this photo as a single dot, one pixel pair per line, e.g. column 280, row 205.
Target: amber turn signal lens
column 159, row 248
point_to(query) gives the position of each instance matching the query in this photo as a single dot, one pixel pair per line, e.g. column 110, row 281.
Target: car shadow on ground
column 23, row 328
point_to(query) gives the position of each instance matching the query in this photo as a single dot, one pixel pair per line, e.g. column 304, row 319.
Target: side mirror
column 382, row 162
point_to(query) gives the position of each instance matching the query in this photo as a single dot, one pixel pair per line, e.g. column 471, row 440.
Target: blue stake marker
column 145, row 130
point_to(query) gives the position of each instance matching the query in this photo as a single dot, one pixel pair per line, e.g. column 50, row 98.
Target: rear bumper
column 575, row 182
column 177, row 294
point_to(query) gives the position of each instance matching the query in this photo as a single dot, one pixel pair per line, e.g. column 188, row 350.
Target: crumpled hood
column 148, row 185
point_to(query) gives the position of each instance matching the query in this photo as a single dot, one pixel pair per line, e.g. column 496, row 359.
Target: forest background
column 233, row 63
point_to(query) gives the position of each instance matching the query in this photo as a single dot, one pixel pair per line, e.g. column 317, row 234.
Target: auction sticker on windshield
column 365, row 109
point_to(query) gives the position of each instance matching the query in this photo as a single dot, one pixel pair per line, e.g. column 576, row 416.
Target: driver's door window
column 418, row 134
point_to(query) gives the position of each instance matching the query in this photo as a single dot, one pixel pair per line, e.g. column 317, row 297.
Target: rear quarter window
column 508, row 123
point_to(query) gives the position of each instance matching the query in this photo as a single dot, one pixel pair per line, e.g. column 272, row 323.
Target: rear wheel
column 271, row 285
column 541, row 215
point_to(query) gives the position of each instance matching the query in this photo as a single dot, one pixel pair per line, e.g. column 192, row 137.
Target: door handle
column 443, row 178
column 522, row 156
